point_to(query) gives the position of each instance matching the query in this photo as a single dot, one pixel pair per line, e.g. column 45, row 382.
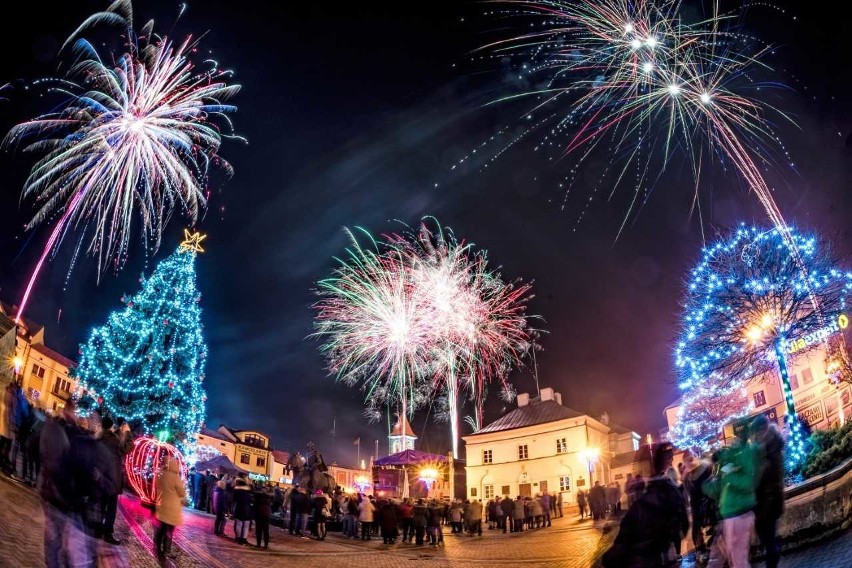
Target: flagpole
column 358, row 463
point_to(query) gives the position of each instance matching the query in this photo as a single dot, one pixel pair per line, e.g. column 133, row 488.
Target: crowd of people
column 730, row 494
column 599, row 501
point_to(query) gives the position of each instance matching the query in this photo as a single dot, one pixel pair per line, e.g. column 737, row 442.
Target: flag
column 356, row 441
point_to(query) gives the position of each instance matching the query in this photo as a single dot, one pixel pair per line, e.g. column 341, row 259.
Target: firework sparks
column 133, row 141
column 638, row 81
column 421, row 314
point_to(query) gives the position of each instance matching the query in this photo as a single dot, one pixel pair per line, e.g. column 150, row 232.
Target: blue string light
column 146, row 364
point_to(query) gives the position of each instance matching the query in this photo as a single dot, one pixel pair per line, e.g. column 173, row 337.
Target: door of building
column 525, row 489
column 542, row 487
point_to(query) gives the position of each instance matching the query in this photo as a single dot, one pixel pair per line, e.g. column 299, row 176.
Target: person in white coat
column 171, row 497
column 366, row 510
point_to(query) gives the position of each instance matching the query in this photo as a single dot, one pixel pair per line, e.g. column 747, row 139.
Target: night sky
column 353, row 113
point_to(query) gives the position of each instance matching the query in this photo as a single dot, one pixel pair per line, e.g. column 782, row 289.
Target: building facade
column 542, row 446
column 247, row 449
column 43, row 372
column 819, row 402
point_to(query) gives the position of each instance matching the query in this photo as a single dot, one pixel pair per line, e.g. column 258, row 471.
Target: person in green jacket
column 734, row 489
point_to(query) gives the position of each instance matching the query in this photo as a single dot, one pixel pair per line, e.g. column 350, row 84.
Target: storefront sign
column 812, row 415
column 770, row 414
column 840, row 323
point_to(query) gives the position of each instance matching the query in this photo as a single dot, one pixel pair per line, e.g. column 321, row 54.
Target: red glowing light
column 146, row 461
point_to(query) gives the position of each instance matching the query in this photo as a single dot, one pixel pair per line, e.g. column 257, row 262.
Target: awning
column 219, row 464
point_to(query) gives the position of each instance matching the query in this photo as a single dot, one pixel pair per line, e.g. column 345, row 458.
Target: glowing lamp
column 18, row 363
column 145, row 462
column 429, row 476
column 362, row 483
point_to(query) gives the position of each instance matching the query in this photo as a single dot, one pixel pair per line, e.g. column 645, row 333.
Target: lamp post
column 591, row 456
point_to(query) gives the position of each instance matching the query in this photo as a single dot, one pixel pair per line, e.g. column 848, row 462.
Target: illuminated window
column 255, row 440
column 38, row 371
column 62, row 385
column 260, row 462
column 807, row 376
column 794, row 382
column 487, row 456
column 561, row 446
column 523, row 452
column 759, row 398
column 565, row 484
column 244, row 458
column 488, row 492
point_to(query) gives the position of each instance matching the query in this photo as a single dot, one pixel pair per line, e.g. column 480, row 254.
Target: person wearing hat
column 770, row 486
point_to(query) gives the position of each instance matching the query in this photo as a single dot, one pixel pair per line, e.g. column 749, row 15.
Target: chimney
column 558, row 398
column 546, row 394
column 523, row 399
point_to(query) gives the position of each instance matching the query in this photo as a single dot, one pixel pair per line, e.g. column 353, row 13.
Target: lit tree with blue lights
column 146, row 364
column 751, row 302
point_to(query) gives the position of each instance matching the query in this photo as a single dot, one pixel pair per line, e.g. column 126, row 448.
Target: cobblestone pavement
column 568, row 543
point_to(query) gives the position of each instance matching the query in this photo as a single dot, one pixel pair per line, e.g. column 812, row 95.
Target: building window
column 505, row 490
column 487, row 456
column 488, row 492
column 255, row 440
column 473, row 491
column 260, row 462
column 63, row 385
column 523, row 452
column 244, row 458
column 759, row 398
column 794, row 382
column 807, row 376
column 33, row 394
column 565, row 484
column 222, row 444
column 38, row 371
column 561, row 446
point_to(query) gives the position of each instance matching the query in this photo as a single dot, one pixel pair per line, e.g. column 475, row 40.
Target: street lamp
column 591, row 456
column 428, row 476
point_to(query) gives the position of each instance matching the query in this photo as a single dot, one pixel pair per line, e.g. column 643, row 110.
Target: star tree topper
column 192, row 241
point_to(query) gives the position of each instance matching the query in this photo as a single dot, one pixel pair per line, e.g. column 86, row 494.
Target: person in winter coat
column 734, row 489
column 321, row 509
column 420, row 520
column 7, row 402
column 473, row 517
column 300, row 509
column 546, row 507
column 171, row 497
column 581, row 503
column 597, row 501
column 220, row 505
column 366, row 516
column 456, row 517
column 770, row 486
column 389, row 523
column 518, row 515
column 242, row 509
column 696, row 473
column 536, row 512
column 644, row 537
column 350, row 518
column 210, row 484
column 21, row 415
column 262, row 513
column 506, row 508
column 118, row 445
column 405, row 513
column 433, row 526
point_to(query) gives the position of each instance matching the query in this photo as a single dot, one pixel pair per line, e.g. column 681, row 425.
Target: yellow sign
column 796, row 345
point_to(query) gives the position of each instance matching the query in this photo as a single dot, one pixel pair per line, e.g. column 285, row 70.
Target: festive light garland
column 748, row 302
column 146, row 364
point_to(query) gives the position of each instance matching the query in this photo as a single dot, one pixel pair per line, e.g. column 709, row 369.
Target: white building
column 541, row 447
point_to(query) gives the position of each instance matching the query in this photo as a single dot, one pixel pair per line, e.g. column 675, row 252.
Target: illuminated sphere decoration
column 146, row 461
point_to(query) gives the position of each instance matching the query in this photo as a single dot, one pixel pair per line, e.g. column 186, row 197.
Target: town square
column 524, row 282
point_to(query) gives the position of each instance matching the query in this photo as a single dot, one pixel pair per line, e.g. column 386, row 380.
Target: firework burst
column 133, row 141
column 420, row 315
column 638, row 81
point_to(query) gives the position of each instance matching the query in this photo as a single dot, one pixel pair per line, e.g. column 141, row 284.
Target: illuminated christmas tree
column 146, row 364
